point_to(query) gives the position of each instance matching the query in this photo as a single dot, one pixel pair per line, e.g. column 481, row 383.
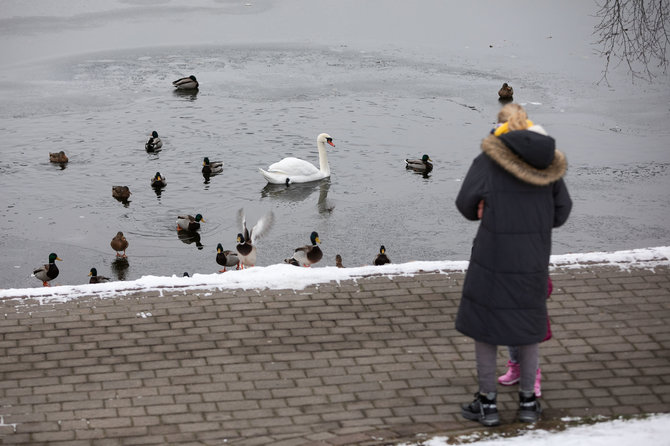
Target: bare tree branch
column 634, row 32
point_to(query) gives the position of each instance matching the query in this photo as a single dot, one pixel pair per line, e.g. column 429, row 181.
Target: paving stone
column 352, row 363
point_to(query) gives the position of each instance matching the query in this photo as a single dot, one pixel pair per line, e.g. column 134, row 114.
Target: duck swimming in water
column 186, row 83
column 425, row 164
column 58, row 157
column 211, row 167
column 120, row 192
column 506, row 92
column 189, row 222
column 158, row 181
column 154, row 144
column 95, row 278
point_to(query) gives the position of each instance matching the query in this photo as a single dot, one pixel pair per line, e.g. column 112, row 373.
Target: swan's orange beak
column 330, row 141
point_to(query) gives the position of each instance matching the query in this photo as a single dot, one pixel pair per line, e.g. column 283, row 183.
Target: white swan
column 294, row 170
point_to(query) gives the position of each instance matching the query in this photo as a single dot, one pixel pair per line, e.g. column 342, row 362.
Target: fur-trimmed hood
column 529, row 156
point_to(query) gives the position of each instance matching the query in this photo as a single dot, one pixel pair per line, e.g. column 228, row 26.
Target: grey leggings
column 486, row 355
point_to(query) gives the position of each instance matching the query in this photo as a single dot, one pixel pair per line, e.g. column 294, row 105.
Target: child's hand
column 480, row 209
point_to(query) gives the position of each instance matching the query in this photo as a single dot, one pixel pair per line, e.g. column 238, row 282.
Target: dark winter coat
column 518, row 176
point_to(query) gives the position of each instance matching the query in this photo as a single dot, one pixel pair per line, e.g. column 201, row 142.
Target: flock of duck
column 287, row 171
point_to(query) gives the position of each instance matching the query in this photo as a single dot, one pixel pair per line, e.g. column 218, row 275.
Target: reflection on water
column 300, row 192
column 120, row 267
column 124, row 201
column 191, row 95
column 190, row 237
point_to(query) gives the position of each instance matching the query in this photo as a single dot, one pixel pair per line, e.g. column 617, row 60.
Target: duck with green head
column 425, row 164
column 186, row 83
column 154, row 144
column 48, row 272
column 226, row 258
column 158, row 181
column 95, row 278
column 307, row 255
column 382, row 258
column 211, row 167
column 189, row 222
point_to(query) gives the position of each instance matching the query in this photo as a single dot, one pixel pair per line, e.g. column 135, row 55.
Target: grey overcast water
column 386, row 79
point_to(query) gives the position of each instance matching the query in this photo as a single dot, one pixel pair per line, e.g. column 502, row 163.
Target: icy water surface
column 260, row 102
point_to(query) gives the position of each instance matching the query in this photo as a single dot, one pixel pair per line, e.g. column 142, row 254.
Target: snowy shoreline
column 282, row 276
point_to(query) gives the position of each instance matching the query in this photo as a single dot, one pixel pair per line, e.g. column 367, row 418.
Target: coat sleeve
column 472, row 190
column 562, row 203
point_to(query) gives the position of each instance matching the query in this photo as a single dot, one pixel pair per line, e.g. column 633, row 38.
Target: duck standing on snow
column 189, row 222
column 186, row 83
column 338, row 261
column 211, row 167
column 506, row 92
column 425, row 164
column 246, row 240
column 294, row 170
column 47, row 272
column 119, row 243
column 307, row 255
column 58, row 157
column 158, row 181
column 226, row 258
column 382, row 258
column 95, row 278
column 154, row 144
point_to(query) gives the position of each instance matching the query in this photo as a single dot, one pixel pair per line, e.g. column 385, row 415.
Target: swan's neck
column 323, row 158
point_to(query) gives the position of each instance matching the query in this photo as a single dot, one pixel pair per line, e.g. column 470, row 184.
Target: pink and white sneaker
column 513, row 374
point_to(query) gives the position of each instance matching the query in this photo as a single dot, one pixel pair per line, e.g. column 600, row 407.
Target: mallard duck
column 120, row 192
column 307, row 255
column 382, row 258
column 211, row 167
column 47, row 272
column 58, row 157
column 154, row 144
column 189, row 222
column 338, row 261
column 506, row 91
column 226, row 258
column 95, row 278
column 119, row 243
column 294, row 170
column 246, row 240
column 186, row 83
column 425, row 164
column 158, row 180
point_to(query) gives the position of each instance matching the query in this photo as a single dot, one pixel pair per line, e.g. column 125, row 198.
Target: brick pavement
column 366, row 362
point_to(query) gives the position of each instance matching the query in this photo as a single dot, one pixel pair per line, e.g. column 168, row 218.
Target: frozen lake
column 387, row 80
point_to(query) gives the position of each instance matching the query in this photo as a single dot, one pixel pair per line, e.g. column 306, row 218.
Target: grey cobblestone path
column 366, row 362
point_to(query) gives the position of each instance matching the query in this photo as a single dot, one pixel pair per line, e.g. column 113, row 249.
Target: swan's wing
column 293, row 167
column 262, row 227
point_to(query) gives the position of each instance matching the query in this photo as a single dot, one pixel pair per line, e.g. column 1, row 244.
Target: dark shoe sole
column 529, row 416
column 488, row 420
